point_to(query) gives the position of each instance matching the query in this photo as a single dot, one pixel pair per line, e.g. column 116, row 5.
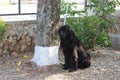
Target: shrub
column 2, row 30
column 92, row 30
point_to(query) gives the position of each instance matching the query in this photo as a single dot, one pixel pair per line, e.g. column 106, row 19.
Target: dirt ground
column 105, row 66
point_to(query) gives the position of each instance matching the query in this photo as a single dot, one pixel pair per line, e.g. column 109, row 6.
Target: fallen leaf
column 18, row 69
column 19, row 63
column 26, row 57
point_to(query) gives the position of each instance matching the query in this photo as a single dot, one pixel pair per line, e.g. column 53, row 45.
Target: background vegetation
column 2, row 30
column 92, row 30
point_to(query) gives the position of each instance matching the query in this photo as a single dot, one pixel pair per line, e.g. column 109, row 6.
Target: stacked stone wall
column 20, row 37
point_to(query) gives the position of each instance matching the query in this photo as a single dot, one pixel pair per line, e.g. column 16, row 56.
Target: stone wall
column 115, row 36
column 20, row 37
column 115, row 39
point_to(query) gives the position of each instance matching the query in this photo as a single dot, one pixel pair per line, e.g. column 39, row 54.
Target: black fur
column 74, row 52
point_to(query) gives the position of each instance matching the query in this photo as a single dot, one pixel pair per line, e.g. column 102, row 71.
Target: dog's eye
column 62, row 33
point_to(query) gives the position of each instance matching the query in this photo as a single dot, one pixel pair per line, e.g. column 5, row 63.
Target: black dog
column 74, row 52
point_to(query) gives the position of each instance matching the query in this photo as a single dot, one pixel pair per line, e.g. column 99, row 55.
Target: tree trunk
column 46, row 49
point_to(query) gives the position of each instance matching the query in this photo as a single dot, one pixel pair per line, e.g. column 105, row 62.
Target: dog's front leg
column 74, row 64
column 67, row 60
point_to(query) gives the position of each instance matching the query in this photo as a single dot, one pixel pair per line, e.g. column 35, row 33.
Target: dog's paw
column 65, row 67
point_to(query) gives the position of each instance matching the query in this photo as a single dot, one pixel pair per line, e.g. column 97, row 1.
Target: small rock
column 93, row 53
column 11, row 48
column 6, row 42
column 14, row 54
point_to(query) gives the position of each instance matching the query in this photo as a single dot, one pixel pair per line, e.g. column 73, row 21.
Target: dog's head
column 64, row 31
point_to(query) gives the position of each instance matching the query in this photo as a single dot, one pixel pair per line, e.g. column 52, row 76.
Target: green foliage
column 71, row 8
column 89, row 31
column 92, row 30
column 2, row 30
column 102, row 7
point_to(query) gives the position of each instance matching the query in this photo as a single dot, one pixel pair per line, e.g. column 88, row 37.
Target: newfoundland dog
column 74, row 52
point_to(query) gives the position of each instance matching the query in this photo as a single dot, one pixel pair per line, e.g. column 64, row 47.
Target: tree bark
column 46, row 48
column 47, row 22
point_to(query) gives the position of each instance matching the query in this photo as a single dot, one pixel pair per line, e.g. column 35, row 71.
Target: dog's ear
column 71, row 33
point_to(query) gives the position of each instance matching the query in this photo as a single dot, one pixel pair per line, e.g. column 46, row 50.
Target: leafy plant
column 72, row 8
column 102, row 7
column 93, row 30
column 89, row 31
column 2, row 30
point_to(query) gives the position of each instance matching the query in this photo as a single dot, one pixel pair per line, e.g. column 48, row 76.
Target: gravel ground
column 105, row 66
